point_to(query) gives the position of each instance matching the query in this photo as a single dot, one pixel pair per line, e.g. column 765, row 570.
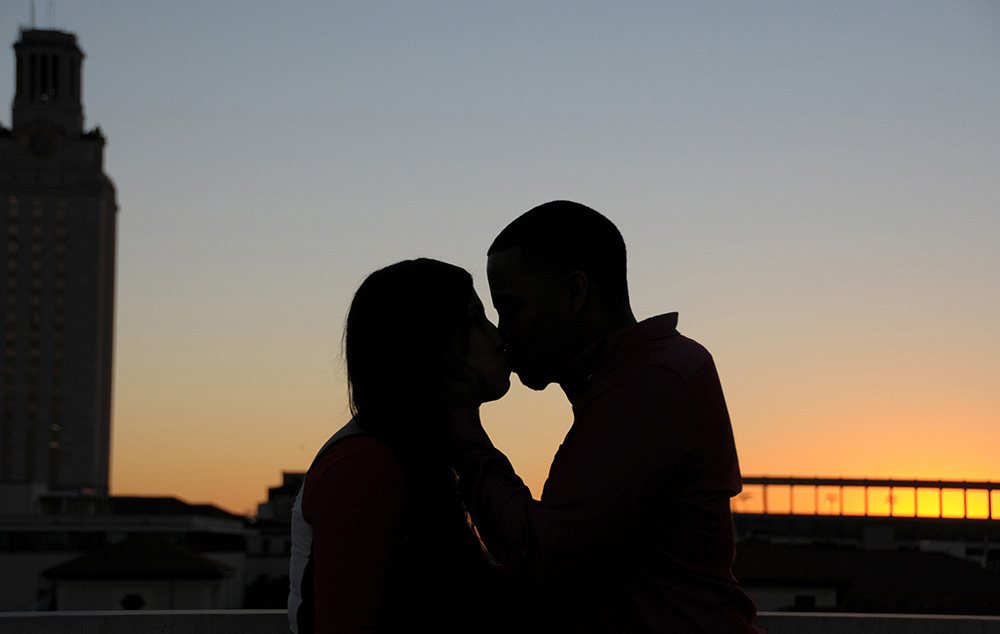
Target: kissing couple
column 409, row 519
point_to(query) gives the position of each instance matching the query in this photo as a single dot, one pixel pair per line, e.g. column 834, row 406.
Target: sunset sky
column 813, row 186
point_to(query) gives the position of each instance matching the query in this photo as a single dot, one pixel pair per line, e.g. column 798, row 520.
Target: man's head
column 558, row 280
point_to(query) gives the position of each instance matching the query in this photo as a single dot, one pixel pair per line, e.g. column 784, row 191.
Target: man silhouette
column 633, row 531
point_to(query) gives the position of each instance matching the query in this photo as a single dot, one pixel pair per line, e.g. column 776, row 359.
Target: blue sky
column 812, row 185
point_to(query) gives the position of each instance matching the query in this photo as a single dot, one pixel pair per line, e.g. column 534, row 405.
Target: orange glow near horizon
column 228, row 446
column 215, row 436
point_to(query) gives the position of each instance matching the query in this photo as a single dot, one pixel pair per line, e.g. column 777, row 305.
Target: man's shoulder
column 648, row 353
column 680, row 355
column 651, row 366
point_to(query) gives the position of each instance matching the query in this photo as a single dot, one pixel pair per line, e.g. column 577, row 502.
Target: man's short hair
column 563, row 236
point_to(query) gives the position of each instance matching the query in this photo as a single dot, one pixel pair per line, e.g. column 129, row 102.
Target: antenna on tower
column 32, row 14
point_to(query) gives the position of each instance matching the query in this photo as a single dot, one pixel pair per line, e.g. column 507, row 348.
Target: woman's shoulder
column 362, row 453
column 353, row 469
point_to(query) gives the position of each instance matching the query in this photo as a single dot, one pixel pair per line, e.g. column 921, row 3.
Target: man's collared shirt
column 633, row 531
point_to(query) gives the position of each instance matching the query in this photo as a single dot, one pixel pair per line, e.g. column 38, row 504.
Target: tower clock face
column 40, row 142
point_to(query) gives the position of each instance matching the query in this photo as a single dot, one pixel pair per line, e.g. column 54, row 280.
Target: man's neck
column 622, row 319
column 604, row 324
column 572, row 380
column 611, row 321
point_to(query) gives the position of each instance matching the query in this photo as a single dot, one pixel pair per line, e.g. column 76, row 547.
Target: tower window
column 74, row 78
column 32, row 73
column 45, row 77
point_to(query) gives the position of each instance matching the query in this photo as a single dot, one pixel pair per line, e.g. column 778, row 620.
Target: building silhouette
column 64, row 542
column 868, row 545
column 59, row 240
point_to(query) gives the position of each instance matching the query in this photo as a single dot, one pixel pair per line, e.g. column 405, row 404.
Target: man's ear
column 577, row 285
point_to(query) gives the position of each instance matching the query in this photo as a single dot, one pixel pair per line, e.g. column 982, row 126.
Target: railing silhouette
column 833, row 491
column 268, row 621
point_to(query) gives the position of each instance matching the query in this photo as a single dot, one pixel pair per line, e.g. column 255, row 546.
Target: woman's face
column 486, row 356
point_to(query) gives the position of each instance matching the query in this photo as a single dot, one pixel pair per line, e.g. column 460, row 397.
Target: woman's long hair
column 402, row 330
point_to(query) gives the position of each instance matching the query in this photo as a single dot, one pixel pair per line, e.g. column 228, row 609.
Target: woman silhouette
column 381, row 540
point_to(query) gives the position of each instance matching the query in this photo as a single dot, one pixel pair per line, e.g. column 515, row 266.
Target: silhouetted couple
column 633, row 530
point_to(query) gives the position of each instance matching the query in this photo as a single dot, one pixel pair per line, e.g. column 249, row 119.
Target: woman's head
column 406, row 326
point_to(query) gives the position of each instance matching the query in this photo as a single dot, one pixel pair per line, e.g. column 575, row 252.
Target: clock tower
column 58, row 278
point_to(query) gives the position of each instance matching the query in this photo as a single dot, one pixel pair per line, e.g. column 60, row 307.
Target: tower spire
column 49, row 65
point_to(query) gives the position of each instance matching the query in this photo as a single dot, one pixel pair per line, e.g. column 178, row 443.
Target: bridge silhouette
column 868, row 497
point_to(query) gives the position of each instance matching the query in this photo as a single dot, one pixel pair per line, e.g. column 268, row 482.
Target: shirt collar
column 613, row 347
